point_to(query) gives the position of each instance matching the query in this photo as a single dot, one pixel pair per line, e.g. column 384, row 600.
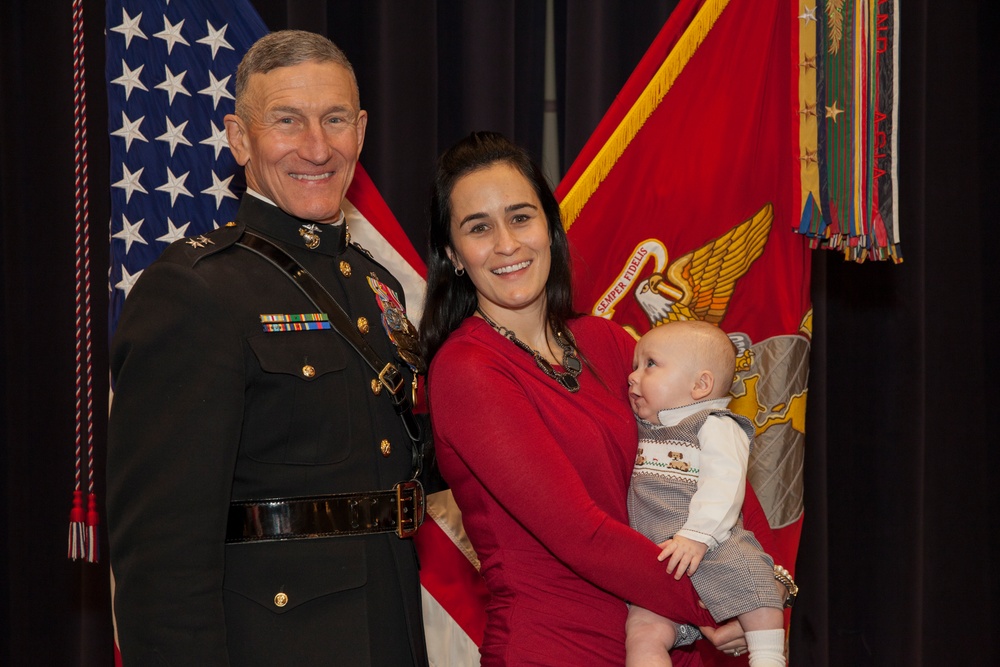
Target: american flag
column 171, row 79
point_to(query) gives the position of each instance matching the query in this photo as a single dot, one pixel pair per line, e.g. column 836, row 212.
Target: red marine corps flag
column 682, row 205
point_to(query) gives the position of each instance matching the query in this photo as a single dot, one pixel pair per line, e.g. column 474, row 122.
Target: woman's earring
column 459, row 272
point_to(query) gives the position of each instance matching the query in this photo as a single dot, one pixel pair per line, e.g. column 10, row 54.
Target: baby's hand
column 685, row 555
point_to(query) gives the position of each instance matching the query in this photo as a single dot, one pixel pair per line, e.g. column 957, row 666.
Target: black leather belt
column 399, row 510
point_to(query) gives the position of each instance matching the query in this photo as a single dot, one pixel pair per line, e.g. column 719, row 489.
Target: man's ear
column 361, row 126
column 703, row 385
column 239, row 142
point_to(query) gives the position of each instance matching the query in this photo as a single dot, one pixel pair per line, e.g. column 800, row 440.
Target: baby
column 687, row 489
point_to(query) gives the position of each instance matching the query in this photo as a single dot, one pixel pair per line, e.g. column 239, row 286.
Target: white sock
column 767, row 648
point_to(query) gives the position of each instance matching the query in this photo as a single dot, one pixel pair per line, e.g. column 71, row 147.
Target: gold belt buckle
column 410, row 507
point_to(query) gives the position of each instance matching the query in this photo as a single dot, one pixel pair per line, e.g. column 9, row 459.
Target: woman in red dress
column 532, row 425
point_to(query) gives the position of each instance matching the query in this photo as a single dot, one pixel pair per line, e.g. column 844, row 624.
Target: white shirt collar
column 254, row 193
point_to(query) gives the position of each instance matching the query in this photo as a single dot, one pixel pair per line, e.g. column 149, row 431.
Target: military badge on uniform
column 294, row 322
column 310, row 235
column 201, row 241
column 401, row 331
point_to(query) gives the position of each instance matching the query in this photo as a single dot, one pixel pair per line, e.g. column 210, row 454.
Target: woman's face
column 500, row 236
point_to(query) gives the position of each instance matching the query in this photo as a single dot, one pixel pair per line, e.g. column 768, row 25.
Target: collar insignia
column 310, row 235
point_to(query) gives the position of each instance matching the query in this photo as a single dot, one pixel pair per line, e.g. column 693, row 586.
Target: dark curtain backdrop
column 896, row 562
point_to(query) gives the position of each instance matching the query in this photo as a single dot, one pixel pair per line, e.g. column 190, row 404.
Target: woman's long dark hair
column 450, row 298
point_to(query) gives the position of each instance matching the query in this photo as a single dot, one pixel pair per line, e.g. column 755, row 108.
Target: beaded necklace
column 570, row 360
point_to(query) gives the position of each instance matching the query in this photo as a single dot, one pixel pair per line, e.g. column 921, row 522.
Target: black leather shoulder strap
column 388, row 373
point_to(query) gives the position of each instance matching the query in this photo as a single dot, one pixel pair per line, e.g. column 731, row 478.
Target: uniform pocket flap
column 281, row 576
column 304, row 354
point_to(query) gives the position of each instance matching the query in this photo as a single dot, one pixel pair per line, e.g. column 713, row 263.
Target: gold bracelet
column 785, row 578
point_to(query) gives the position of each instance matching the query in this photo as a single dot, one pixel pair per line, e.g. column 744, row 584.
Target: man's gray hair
column 285, row 48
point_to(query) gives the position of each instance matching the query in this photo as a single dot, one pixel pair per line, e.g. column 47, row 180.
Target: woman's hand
column 728, row 637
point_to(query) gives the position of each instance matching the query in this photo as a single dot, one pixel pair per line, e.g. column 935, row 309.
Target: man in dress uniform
column 259, row 493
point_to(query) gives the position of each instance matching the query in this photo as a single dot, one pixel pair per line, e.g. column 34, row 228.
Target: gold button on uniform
column 376, row 386
column 386, row 448
column 345, row 268
column 363, row 325
column 280, row 600
column 308, row 371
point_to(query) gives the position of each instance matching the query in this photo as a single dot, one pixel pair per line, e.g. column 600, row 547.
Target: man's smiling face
column 302, row 137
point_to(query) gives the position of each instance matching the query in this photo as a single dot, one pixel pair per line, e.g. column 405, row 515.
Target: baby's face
column 664, row 374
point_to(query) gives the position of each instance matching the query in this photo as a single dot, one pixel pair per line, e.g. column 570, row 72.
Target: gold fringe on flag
column 644, row 106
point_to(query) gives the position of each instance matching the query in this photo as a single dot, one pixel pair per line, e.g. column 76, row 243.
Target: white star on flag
column 173, row 233
column 217, row 140
column 130, row 79
column 171, row 34
column 174, row 135
column 129, row 27
column 130, row 234
column 219, row 189
column 216, row 39
column 130, row 131
column 127, row 281
column 217, row 89
column 175, row 186
column 130, row 182
column 808, row 14
column 172, row 84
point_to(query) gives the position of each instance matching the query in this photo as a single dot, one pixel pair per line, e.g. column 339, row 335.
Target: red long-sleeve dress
column 541, row 477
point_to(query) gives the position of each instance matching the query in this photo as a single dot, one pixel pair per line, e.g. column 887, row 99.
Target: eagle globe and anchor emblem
column 770, row 386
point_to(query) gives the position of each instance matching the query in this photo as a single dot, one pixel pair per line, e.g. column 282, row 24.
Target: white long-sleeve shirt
column 722, row 471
